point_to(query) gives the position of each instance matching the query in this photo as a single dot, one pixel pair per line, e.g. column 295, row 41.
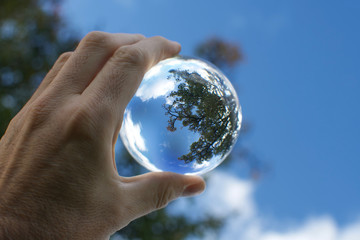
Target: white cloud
column 224, row 196
column 133, row 140
column 155, row 83
column 321, row 228
column 317, row 228
column 132, row 131
column 159, row 88
column 351, row 232
column 231, row 198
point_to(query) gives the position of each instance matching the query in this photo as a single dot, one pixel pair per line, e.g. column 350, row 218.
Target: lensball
column 184, row 118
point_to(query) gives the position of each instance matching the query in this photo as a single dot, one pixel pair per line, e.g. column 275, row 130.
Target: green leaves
column 199, row 105
column 30, row 43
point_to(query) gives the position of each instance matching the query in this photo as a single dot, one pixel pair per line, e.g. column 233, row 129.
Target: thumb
column 151, row 191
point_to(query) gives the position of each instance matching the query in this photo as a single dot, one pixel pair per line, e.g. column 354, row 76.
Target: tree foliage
column 161, row 225
column 221, row 53
column 32, row 36
column 203, row 108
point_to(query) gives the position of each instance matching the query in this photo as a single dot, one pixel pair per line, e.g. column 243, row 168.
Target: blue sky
column 299, row 87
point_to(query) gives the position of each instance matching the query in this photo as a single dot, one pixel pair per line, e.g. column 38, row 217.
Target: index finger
column 119, row 79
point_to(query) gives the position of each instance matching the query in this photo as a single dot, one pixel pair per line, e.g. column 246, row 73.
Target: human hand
column 57, row 171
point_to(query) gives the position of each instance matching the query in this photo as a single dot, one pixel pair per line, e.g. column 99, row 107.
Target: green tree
column 160, row 225
column 221, row 53
column 226, row 55
column 203, row 107
column 32, row 36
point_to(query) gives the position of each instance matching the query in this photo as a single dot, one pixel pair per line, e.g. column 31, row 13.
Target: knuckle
column 164, row 196
column 131, row 55
column 95, row 39
column 139, row 36
column 134, row 37
column 13, row 129
column 80, row 124
column 38, row 112
column 15, row 122
column 159, row 39
column 86, row 121
column 64, row 56
column 165, row 191
column 118, row 79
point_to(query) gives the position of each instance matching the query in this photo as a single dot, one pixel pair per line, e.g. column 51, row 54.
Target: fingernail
column 194, row 189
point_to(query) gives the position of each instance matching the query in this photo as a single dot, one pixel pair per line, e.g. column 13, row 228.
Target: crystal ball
column 185, row 117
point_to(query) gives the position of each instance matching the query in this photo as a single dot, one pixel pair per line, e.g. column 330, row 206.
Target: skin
column 57, row 170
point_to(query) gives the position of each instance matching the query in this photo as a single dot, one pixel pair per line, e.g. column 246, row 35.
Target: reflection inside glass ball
column 184, row 118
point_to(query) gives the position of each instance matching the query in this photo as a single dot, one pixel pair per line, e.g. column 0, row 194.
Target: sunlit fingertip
column 176, row 46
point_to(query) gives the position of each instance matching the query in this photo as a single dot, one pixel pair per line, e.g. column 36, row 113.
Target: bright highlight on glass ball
column 184, row 118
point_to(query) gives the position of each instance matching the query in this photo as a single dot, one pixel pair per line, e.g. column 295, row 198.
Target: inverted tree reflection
column 201, row 104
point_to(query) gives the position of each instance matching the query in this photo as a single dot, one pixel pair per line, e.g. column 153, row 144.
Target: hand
column 57, row 171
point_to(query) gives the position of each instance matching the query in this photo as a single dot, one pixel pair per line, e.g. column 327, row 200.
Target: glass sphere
column 184, row 118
